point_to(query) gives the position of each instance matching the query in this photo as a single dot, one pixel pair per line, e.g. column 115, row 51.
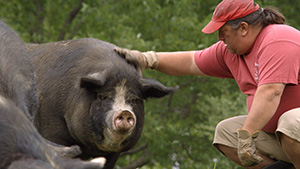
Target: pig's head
column 115, row 116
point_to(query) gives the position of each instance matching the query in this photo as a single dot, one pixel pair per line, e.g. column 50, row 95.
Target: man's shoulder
column 279, row 32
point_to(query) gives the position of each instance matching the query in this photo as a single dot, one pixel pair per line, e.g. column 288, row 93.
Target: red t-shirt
column 274, row 58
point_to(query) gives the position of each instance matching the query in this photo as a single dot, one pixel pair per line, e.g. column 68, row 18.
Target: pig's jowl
column 89, row 96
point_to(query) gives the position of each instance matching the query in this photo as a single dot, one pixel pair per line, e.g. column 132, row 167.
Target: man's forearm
column 265, row 103
column 178, row 63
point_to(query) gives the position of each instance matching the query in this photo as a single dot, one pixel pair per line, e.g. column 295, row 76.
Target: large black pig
column 90, row 96
column 22, row 147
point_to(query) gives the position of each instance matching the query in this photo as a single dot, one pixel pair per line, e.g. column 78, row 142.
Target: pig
column 22, row 147
column 91, row 97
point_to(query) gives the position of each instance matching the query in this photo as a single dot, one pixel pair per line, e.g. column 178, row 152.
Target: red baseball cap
column 229, row 10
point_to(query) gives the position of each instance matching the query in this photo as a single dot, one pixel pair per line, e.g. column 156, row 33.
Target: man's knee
column 225, row 132
column 289, row 124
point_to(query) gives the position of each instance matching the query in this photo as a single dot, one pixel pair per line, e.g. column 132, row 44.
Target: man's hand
column 140, row 60
column 247, row 152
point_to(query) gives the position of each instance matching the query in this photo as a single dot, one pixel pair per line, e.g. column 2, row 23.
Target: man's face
column 233, row 39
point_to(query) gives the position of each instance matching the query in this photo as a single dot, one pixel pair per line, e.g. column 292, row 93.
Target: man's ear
column 244, row 27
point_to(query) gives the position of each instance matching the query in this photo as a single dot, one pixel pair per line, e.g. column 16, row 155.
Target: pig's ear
column 93, row 80
column 153, row 88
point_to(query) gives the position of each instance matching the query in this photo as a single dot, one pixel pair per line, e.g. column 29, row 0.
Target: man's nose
column 220, row 37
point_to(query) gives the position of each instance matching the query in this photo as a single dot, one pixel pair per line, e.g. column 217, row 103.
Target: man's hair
column 262, row 17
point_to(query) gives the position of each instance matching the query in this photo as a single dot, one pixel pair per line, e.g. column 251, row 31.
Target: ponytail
column 272, row 16
column 261, row 17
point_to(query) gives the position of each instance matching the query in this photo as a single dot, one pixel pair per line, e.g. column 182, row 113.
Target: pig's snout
column 124, row 121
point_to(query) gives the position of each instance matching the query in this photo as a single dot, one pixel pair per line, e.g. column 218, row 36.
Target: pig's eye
column 102, row 97
column 134, row 101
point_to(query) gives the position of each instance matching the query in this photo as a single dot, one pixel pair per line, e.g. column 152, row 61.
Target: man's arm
column 264, row 106
column 178, row 63
column 172, row 63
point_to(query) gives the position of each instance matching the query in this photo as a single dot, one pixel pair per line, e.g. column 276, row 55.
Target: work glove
column 247, row 152
column 140, row 60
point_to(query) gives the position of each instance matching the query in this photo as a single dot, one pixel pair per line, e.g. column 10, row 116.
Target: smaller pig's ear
column 153, row 88
column 93, row 80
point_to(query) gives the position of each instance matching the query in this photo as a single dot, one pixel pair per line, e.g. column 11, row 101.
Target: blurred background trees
column 178, row 129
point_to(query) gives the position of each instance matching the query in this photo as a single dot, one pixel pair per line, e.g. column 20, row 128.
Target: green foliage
column 178, row 129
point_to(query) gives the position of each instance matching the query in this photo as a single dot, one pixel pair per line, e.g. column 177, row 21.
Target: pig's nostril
column 130, row 121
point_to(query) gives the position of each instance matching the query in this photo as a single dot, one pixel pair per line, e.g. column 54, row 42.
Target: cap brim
column 212, row 27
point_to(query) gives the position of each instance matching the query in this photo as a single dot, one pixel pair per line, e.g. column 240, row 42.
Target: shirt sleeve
column 211, row 61
column 279, row 63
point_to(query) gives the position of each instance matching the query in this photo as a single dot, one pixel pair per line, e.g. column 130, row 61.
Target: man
column 263, row 55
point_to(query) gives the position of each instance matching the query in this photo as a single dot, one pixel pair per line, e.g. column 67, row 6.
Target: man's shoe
column 279, row 165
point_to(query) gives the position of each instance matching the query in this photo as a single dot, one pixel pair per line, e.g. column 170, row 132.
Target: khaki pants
column 266, row 143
